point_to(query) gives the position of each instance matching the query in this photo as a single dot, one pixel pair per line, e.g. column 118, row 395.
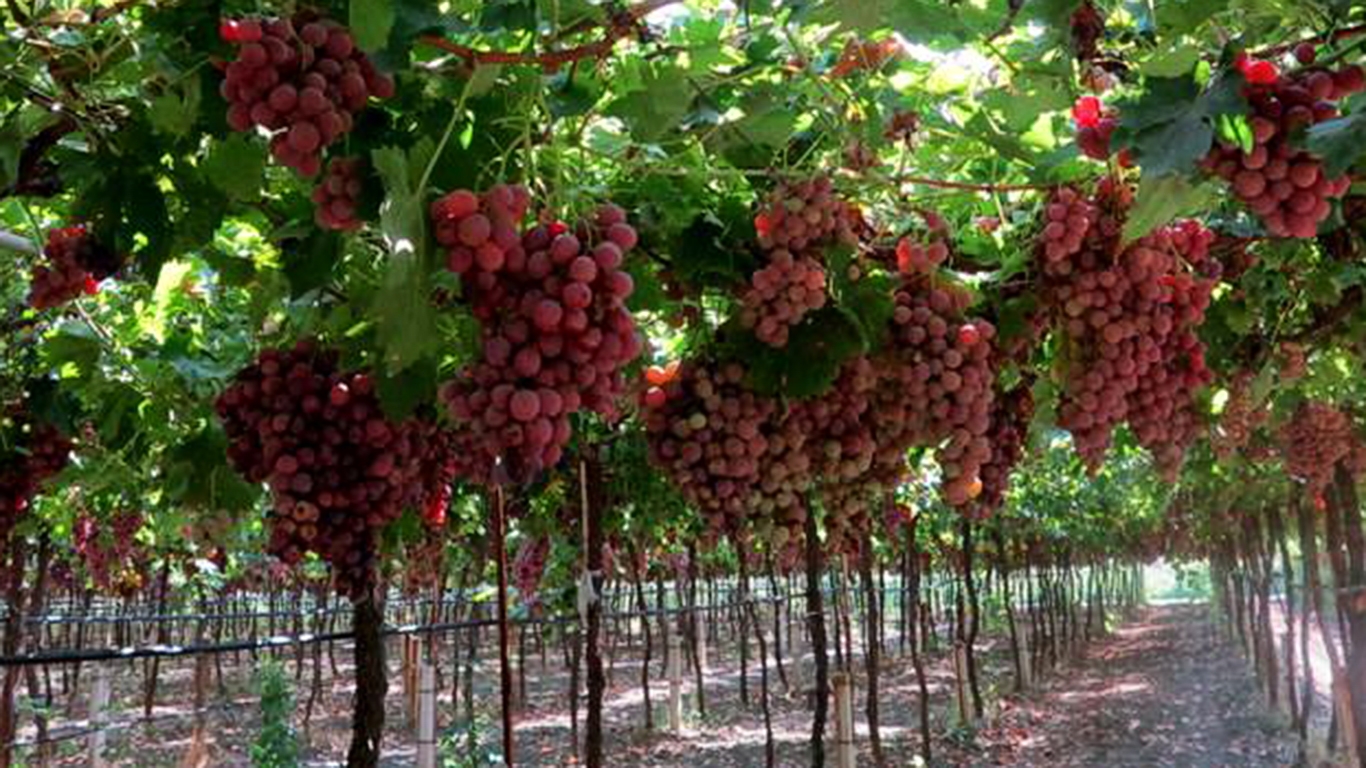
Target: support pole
column 675, row 683
column 99, row 717
column 426, row 718
column 846, row 756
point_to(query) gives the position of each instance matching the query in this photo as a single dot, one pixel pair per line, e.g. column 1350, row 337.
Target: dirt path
column 1162, row 691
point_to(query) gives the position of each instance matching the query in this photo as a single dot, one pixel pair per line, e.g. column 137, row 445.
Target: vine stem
column 1334, row 36
column 618, row 28
column 970, row 186
column 446, row 135
column 12, row 242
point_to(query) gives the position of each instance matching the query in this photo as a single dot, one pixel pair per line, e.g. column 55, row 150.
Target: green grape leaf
column 175, row 112
column 1160, row 199
column 1341, row 142
column 403, row 309
column 74, row 348
column 1171, row 125
column 237, row 166
column 198, row 476
column 371, row 22
column 658, row 105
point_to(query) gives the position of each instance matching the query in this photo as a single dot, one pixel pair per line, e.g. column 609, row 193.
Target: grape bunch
column 440, row 467
column 338, row 469
column 74, row 265
column 1286, row 187
column 711, row 436
column 1088, row 27
column 337, row 198
column 849, row 513
column 797, row 222
column 114, row 559
column 1095, row 126
column 781, row 294
column 1240, row 417
column 914, row 258
column 1068, row 220
column 1314, row 440
column 303, row 80
column 555, row 330
column 1294, row 361
column 1011, row 413
column 1129, row 318
column 838, row 424
column 31, row 453
column 424, row 560
column 528, row 566
column 938, row 390
column 865, row 56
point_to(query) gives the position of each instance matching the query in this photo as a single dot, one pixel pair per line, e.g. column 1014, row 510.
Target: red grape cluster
column 338, row 469
column 336, row 199
column 781, row 294
column 1095, row 126
column 556, row 332
column 115, row 561
column 1287, row 187
column 849, row 513
column 31, row 453
column 1240, row 417
column 939, row 387
column 1294, row 361
column 439, row 470
column 796, row 223
column 1315, row 439
column 303, row 80
column 711, row 436
column 1129, row 316
column 1088, row 26
column 838, row 426
column 75, row 264
column 425, row 560
column 1011, row 414
column 914, row 258
column 528, row 567
column 1068, row 220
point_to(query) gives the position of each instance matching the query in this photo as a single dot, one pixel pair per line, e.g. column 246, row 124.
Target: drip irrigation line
column 163, row 651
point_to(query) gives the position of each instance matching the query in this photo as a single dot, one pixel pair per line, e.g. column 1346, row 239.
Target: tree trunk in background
column 645, row 624
column 1353, row 592
column 1277, row 527
column 597, row 682
column 696, row 636
column 974, row 607
column 500, row 553
column 367, row 729
column 815, row 618
column 14, row 625
column 913, row 577
column 871, row 647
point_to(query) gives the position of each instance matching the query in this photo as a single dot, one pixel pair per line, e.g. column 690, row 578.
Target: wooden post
column 675, row 683
column 960, row 675
column 426, row 719
column 99, row 701
column 795, row 652
column 411, row 651
column 846, row 756
column 1026, row 658
column 701, row 618
column 1342, row 698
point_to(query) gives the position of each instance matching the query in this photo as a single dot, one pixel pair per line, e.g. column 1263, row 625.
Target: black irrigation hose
column 282, row 641
column 308, row 612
